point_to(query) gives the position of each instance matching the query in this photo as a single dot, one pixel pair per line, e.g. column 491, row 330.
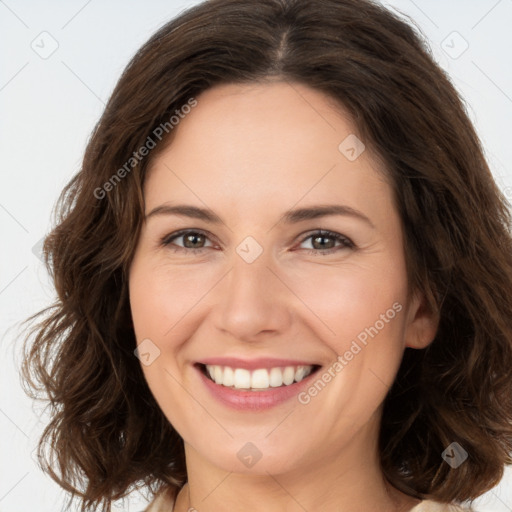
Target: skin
column 249, row 153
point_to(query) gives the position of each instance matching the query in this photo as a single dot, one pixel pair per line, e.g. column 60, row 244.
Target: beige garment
column 163, row 503
column 433, row 506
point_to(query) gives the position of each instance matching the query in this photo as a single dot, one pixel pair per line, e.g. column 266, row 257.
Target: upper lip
column 254, row 364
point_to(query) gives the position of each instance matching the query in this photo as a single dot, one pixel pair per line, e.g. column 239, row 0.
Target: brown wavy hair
column 107, row 433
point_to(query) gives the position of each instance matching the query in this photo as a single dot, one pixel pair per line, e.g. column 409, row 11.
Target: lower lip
column 254, row 400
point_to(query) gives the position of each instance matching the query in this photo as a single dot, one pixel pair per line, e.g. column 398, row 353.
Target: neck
column 345, row 480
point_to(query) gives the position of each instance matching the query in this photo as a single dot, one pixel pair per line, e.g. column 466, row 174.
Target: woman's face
column 242, row 285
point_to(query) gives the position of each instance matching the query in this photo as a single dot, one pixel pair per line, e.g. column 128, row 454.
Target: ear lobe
column 422, row 323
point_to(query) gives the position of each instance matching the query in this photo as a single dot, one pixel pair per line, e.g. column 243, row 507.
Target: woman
column 284, row 275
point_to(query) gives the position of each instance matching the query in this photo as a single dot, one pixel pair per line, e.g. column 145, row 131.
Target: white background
column 49, row 107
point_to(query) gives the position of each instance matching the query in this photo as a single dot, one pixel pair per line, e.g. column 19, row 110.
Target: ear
column 422, row 323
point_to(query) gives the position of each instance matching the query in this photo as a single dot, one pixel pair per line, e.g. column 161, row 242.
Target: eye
column 192, row 240
column 320, row 246
column 195, row 240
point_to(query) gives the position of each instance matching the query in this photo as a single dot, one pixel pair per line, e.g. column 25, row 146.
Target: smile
column 259, row 379
column 254, row 385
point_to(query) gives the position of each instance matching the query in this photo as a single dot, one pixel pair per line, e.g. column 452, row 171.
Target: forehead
column 274, row 142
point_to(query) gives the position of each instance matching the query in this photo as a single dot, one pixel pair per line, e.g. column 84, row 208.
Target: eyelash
column 166, row 241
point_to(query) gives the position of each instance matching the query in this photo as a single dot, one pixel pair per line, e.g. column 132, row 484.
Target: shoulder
column 163, row 502
column 434, row 506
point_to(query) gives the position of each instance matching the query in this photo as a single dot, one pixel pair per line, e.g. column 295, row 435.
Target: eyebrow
column 289, row 217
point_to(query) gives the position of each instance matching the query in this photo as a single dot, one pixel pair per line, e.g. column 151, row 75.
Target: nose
column 254, row 302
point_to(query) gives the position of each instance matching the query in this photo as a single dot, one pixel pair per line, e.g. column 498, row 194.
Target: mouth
column 257, row 379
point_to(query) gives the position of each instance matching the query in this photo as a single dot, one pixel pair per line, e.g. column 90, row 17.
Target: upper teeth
column 262, row 378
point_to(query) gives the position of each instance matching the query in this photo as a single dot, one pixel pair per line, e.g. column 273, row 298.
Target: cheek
column 165, row 303
column 158, row 300
column 341, row 305
column 348, row 300
column 161, row 296
column 362, row 315
column 340, row 302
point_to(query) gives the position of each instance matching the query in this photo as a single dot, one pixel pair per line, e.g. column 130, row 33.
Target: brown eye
column 189, row 240
column 193, row 240
column 319, row 242
column 324, row 242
